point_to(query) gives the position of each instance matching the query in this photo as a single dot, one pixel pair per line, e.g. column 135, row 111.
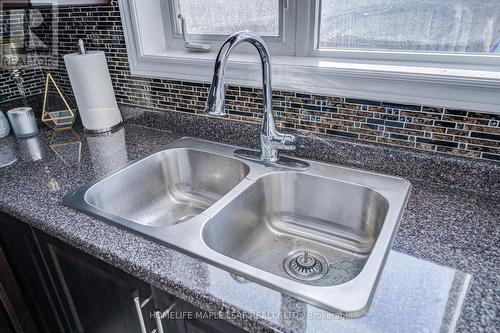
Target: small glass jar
column 23, row 122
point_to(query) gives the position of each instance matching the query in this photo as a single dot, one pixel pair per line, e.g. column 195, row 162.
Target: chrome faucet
column 271, row 140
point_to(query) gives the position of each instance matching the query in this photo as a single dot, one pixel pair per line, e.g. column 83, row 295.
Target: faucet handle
column 288, row 138
column 287, row 141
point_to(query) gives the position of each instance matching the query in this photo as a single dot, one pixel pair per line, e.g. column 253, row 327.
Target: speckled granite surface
column 452, row 219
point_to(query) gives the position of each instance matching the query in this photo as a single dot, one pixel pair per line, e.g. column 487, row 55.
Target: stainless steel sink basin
column 167, row 188
column 288, row 212
column 320, row 235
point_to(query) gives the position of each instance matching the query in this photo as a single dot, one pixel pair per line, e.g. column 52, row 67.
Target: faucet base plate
column 282, row 162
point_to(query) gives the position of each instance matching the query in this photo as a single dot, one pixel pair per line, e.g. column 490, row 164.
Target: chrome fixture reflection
column 270, row 139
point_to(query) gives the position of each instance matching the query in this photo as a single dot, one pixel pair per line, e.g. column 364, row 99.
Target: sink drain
column 305, row 265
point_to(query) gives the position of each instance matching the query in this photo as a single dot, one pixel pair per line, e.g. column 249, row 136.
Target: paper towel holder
column 82, row 50
column 104, row 131
column 91, row 121
column 81, row 46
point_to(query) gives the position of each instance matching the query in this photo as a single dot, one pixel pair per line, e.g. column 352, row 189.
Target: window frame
column 473, row 59
column 284, row 44
column 453, row 81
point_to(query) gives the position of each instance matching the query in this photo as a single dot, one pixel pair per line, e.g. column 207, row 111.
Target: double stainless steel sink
column 320, row 235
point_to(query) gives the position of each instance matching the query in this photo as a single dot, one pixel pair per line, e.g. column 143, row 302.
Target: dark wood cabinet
column 184, row 317
column 53, row 287
column 32, row 297
column 95, row 296
column 168, row 315
column 5, row 323
column 67, row 290
column 17, row 314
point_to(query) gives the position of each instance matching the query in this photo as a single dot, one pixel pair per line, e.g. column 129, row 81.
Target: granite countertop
column 452, row 220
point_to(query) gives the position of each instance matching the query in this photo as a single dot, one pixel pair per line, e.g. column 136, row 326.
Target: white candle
column 23, row 122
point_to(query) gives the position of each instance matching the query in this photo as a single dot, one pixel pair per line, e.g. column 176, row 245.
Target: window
column 212, row 21
column 220, row 17
column 325, row 26
column 433, row 52
column 447, row 26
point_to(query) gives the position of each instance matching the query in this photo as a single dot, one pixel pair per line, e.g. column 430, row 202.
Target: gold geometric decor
column 57, row 112
column 67, row 145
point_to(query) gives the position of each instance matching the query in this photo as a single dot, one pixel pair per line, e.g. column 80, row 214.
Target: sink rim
column 352, row 297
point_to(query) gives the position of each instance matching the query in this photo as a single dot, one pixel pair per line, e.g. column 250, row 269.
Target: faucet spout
column 217, row 94
column 270, row 138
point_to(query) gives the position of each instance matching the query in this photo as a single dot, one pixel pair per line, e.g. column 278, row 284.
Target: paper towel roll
column 94, row 94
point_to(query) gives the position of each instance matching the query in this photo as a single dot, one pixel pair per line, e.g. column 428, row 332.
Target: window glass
column 224, row 17
column 456, row 26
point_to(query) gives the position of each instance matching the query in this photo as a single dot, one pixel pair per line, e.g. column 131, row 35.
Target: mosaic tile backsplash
column 451, row 131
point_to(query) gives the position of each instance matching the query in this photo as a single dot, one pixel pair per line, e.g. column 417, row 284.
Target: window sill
column 430, row 85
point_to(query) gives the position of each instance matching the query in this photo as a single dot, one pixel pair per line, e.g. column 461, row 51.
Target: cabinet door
column 96, row 297
column 5, row 323
column 26, row 265
column 168, row 315
column 12, row 300
column 184, row 317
